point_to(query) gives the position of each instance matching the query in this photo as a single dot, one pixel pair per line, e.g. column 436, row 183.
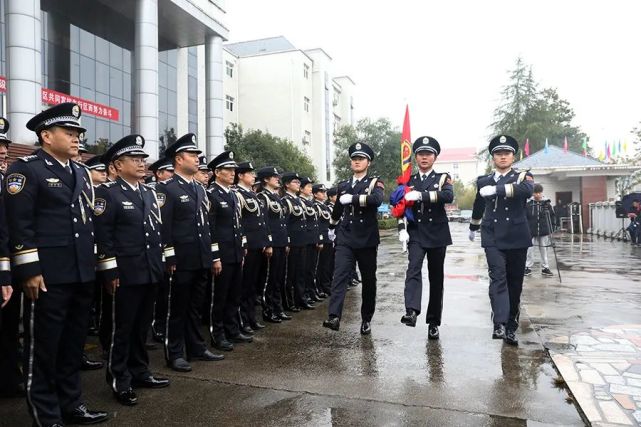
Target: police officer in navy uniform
column 49, row 200
column 128, row 227
column 324, row 213
column 276, row 218
column 162, row 170
column 355, row 224
column 500, row 213
column 428, row 235
column 314, row 240
column 259, row 245
column 228, row 242
column 188, row 254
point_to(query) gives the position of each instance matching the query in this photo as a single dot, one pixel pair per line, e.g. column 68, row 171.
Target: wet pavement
column 300, row 374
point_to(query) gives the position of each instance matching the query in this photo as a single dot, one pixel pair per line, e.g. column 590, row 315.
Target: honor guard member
column 500, row 212
column 10, row 374
column 314, row 240
column 162, row 170
column 130, row 251
column 332, row 195
column 428, row 235
column 49, row 200
column 259, row 245
column 228, row 244
column 295, row 299
column 355, row 224
column 188, row 254
column 276, row 218
column 324, row 212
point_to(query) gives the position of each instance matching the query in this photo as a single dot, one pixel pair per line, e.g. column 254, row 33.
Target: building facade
column 153, row 67
column 463, row 164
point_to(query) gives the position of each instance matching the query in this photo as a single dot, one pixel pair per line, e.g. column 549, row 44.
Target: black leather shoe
column 90, row 365
column 307, row 306
column 271, row 318
column 222, row 345
column 366, row 328
column 283, row 316
column 322, row 295
column 150, row 382
column 256, row 326
column 294, row 309
column 241, row 338
column 409, row 318
column 180, row 365
column 510, row 338
column 208, row 356
column 432, row 332
column 247, row 330
column 82, row 415
column 499, row 332
column 333, row 323
column 127, row 397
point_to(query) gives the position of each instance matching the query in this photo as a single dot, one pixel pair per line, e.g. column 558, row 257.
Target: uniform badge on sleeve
column 161, row 198
column 15, row 183
column 99, row 206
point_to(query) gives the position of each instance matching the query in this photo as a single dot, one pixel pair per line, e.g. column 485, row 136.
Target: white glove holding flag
column 403, row 236
column 487, row 191
column 331, row 234
column 345, row 199
column 472, row 235
column 413, row 196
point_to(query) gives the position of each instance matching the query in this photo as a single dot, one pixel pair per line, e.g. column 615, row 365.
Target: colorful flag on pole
column 619, row 149
column 625, row 146
column 565, row 144
column 406, row 150
column 527, row 147
column 545, row 150
column 584, row 145
column 607, row 151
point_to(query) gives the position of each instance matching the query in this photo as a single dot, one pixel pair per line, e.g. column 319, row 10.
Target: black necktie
column 137, row 191
column 423, row 177
column 68, row 169
column 355, row 183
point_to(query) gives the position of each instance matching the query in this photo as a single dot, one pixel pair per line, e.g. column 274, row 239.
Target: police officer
column 228, row 243
column 276, row 218
column 355, row 222
column 54, row 261
column 128, row 227
column 500, row 213
column 428, row 235
column 259, row 245
column 162, row 170
column 324, row 213
column 332, row 195
column 314, row 240
column 203, row 174
column 188, row 254
column 295, row 298
column 97, row 169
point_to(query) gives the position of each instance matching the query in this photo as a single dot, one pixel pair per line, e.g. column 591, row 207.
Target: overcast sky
column 449, row 59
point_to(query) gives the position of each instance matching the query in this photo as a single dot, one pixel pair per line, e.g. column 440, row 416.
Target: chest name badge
column 128, row 205
column 224, row 205
column 184, row 198
column 53, row 182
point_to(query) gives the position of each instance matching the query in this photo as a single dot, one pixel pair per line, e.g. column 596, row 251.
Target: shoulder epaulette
column 167, row 181
column 30, row 158
column 108, row 184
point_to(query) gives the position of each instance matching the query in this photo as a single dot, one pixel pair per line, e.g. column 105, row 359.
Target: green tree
column 264, row 149
column 464, row 195
column 167, row 138
column 101, row 145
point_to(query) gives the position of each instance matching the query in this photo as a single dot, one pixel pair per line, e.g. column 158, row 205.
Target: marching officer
column 500, row 213
column 355, row 222
column 49, row 201
column 276, row 218
column 294, row 298
column 314, row 240
column 130, row 250
column 324, row 213
column 259, row 245
column 332, row 195
column 228, row 244
column 428, row 235
column 188, row 254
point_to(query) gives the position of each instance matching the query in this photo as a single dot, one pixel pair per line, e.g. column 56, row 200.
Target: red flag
column 565, row 144
column 406, row 150
column 527, row 147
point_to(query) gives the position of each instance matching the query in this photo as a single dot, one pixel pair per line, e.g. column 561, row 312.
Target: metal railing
column 604, row 222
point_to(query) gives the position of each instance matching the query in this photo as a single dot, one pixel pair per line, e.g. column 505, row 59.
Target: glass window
column 171, row 78
column 229, row 103
column 192, row 87
column 172, row 57
column 126, row 86
column 455, row 166
column 115, row 82
column 87, row 44
column 87, row 93
column 102, row 98
column 126, row 61
column 75, row 90
column 306, row 71
column 102, row 129
column 75, row 67
column 89, row 123
column 115, row 56
column 229, row 69
column 307, row 138
column 172, row 103
column 162, row 99
column 102, row 78
column 102, row 50
column 115, row 131
column 162, row 74
column 125, row 114
column 87, row 73
column 306, row 104
column 74, row 38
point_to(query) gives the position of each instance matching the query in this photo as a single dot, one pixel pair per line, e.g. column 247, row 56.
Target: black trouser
column 227, row 296
column 251, row 276
column 325, row 267
column 414, row 280
column 311, row 264
column 105, row 321
column 261, row 282
column 10, row 374
column 506, row 268
column 346, row 259
column 186, row 292
column 160, row 306
column 296, row 275
column 205, row 309
column 55, row 330
column 275, row 280
column 133, row 307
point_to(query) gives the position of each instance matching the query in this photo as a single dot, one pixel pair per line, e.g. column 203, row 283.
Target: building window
column 229, row 69
column 455, row 166
column 306, row 104
column 307, row 138
column 455, row 176
column 306, row 71
column 229, row 103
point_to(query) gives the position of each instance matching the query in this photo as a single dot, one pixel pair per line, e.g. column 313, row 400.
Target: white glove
column 345, row 199
column 403, row 236
column 472, row 235
column 488, row 190
column 331, row 234
column 413, row 196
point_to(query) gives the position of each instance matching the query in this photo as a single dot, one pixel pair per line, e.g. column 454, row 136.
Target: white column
column 24, row 66
column 146, row 75
column 214, row 95
column 182, row 91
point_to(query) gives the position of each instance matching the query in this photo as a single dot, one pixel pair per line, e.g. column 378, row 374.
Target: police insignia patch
column 503, row 139
column 99, row 206
column 75, row 111
column 161, row 198
column 15, row 183
column 231, row 155
column 358, row 146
